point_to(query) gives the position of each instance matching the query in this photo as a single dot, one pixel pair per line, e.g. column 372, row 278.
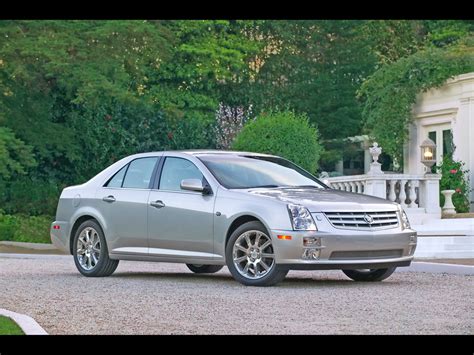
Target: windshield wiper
column 261, row 186
column 301, row 186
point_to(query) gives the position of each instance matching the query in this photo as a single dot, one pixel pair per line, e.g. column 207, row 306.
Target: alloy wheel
column 253, row 254
column 88, row 248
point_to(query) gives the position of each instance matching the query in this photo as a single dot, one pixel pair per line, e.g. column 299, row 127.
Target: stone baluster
column 412, row 194
column 358, row 187
column 347, row 187
column 352, row 186
column 391, row 195
column 403, row 194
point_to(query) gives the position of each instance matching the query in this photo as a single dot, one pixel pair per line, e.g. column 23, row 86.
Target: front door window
column 443, row 138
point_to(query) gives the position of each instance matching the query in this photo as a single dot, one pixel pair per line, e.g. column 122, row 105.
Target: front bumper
column 346, row 249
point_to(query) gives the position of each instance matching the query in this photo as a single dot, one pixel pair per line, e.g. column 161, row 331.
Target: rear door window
column 139, row 173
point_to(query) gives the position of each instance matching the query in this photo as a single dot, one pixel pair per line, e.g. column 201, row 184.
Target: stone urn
column 448, row 207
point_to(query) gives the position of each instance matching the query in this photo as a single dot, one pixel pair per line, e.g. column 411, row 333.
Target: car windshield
column 248, row 171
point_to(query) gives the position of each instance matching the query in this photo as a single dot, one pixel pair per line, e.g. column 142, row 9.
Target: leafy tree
column 313, row 67
column 15, row 156
column 282, row 133
column 229, row 122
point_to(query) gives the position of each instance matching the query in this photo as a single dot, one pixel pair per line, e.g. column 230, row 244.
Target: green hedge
column 282, row 133
column 21, row 228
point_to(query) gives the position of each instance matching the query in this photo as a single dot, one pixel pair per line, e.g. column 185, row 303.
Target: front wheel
column 204, row 269
column 90, row 252
column 369, row 275
column 250, row 256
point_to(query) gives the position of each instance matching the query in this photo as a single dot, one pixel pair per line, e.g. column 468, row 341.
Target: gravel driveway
column 158, row 298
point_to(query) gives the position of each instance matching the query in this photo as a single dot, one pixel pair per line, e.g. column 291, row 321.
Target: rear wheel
column 369, row 275
column 90, row 252
column 250, row 256
column 204, row 269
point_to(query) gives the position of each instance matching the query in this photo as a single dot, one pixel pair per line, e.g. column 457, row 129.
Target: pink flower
column 453, row 171
column 458, row 190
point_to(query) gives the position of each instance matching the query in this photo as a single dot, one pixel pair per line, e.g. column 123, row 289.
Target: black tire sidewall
column 104, row 253
column 204, row 269
column 274, row 276
column 373, row 276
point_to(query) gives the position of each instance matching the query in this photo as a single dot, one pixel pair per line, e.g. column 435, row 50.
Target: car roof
column 197, row 152
column 222, row 152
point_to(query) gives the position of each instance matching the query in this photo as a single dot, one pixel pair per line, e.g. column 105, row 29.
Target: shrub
column 21, row 228
column 8, row 226
column 282, row 133
column 29, row 196
column 454, row 177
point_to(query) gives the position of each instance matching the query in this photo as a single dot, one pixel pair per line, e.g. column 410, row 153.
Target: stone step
column 445, row 247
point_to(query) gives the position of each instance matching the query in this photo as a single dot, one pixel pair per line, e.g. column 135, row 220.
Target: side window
column 117, row 179
column 139, row 173
column 177, row 169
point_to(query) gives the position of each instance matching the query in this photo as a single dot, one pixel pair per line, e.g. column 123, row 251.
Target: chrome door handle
column 109, row 199
column 157, row 204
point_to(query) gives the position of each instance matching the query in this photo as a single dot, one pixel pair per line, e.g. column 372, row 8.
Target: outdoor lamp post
column 428, row 153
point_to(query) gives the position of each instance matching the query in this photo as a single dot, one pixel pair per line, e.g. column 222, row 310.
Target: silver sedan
column 261, row 215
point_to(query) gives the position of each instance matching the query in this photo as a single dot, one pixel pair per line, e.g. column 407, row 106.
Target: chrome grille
column 363, row 220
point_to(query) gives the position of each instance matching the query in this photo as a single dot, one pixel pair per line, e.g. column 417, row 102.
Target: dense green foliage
column 22, row 228
column 454, row 176
column 76, row 96
column 15, row 155
column 282, row 133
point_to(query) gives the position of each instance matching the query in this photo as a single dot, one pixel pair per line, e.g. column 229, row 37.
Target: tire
column 104, row 265
column 370, row 275
column 204, row 269
column 253, row 256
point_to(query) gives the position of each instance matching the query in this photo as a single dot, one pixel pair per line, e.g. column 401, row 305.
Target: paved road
column 152, row 298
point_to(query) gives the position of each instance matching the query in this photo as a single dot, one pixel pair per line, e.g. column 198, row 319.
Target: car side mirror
column 194, row 185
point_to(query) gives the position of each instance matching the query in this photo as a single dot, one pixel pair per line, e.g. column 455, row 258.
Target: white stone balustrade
column 416, row 193
column 411, row 191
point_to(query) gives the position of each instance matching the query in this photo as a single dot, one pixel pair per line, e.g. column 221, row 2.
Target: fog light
column 311, row 242
column 311, row 254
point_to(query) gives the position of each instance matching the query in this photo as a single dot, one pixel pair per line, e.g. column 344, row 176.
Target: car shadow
column 290, row 282
column 299, row 282
column 172, row 276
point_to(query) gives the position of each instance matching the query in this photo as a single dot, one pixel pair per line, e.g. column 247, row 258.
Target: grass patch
column 21, row 228
column 9, row 327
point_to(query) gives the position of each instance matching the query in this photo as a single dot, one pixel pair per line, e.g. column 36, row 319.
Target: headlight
column 301, row 218
column 404, row 218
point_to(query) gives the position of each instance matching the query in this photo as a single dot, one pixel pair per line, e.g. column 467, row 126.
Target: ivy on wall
column 390, row 93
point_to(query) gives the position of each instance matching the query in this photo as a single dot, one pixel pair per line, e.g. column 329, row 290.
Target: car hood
column 326, row 200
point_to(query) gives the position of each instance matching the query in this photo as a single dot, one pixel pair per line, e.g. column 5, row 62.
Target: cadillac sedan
column 261, row 215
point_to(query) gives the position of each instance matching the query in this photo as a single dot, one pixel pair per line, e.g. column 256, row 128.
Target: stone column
column 429, row 194
column 375, row 184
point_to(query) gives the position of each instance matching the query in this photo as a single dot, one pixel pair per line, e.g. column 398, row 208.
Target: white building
column 441, row 114
column 445, row 114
